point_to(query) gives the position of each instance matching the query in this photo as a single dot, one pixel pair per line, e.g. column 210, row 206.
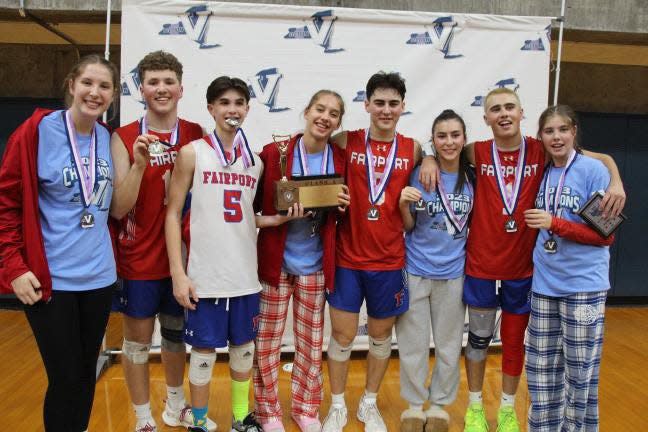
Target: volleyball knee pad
column 480, row 332
column 200, row 367
column 137, row 353
column 337, row 352
column 512, row 333
column 241, row 357
column 171, row 331
column 380, row 348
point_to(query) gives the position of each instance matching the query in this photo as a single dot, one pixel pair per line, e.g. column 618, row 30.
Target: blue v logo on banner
column 195, row 24
column 440, row 36
column 319, row 28
column 264, row 86
column 131, row 85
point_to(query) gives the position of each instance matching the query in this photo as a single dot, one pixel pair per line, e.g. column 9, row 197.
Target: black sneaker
column 249, row 424
column 197, row 429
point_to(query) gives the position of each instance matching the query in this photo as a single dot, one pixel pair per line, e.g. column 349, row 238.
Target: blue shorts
column 385, row 292
column 215, row 322
column 145, row 298
column 514, row 294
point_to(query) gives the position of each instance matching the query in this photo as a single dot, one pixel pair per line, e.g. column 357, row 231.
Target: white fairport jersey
column 222, row 252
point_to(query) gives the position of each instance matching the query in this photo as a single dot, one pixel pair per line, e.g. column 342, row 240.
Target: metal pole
column 107, row 51
column 560, row 19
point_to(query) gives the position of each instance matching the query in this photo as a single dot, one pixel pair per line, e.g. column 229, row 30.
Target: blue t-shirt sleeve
column 598, row 180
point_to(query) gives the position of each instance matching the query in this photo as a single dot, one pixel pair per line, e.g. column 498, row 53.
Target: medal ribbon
column 376, row 190
column 303, row 158
column 510, row 203
column 87, row 174
column 559, row 187
column 174, row 132
column 457, row 222
column 240, row 143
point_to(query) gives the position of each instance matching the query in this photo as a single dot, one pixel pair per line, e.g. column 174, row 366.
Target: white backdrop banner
column 286, row 53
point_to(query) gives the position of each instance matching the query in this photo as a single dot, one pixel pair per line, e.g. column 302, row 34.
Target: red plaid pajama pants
column 308, row 323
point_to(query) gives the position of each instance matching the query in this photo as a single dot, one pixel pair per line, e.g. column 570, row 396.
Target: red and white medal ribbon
column 87, row 174
column 173, row 140
column 240, row 142
column 303, row 158
column 510, row 202
column 376, row 189
column 457, row 222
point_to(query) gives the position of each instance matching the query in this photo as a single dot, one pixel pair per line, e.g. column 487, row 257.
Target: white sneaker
column 148, row 426
column 335, row 420
column 368, row 414
column 183, row 417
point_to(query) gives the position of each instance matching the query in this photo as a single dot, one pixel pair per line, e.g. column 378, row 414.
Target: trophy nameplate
column 318, row 191
column 592, row 214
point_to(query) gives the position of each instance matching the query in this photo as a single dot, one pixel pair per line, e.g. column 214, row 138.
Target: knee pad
column 480, row 332
column 512, row 333
column 200, row 367
column 337, row 352
column 241, row 357
column 171, row 331
column 136, row 352
column 380, row 348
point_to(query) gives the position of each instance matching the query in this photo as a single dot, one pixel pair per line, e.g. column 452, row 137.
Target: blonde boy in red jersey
column 144, row 153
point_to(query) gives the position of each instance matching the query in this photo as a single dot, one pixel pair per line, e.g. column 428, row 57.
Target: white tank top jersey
column 222, row 252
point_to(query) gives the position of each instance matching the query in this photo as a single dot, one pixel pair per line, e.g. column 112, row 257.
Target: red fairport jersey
column 141, row 245
column 365, row 244
column 491, row 252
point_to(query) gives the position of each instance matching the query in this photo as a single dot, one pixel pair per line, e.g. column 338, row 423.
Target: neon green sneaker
column 507, row 420
column 475, row 418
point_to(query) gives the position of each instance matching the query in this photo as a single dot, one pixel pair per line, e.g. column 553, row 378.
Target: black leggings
column 69, row 330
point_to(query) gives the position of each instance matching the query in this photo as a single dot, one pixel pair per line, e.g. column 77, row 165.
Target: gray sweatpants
column 437, row 302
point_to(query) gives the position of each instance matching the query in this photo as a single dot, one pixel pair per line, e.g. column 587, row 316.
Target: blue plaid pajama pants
column 563, row 355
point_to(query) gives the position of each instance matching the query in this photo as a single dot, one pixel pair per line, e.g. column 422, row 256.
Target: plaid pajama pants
column 564, row 343
column 308, row 323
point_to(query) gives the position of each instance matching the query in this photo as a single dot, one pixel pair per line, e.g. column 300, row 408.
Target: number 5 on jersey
column 232, row 204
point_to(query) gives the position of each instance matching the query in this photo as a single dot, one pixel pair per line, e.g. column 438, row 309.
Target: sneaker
column 273, row 426
column 249, row 424
column 335, row 420
column 184, row 418
column 475, row 418
column 307, row 424
column 368, row 414
column 507, row 420
column 412, row 420
column 197, row 429
column 146, row 427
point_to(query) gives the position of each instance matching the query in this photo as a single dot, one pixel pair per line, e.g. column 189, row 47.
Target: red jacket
column 272, row 240
column 21, row 239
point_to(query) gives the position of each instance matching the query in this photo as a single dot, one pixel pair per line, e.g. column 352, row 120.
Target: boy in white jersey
column 220, row 289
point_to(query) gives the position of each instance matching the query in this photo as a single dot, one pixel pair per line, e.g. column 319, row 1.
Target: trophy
column 592, row 214
column 316, row 191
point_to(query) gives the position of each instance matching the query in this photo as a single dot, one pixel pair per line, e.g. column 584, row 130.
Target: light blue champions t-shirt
column 303, row 250
column 575, row 267
column 434, row 249
column 79, row 258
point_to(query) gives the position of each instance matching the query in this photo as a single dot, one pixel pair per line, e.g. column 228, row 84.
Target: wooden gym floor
column 623, row 393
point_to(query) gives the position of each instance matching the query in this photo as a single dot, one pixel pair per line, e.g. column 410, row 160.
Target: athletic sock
column 199, row 415
column 507, row 400
column 475, row 397
column 369, row 397
column 240, row 395
column 337, row 400
column 143, row 413
column 435, row 409
column 175, row 398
